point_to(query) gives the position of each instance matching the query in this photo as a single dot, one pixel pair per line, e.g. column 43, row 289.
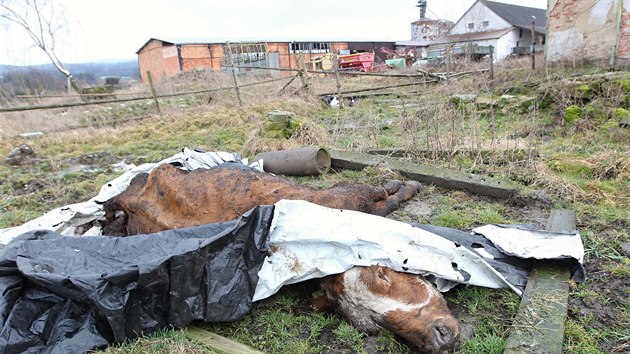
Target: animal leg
column 404, row 192
column 393, row 186
column 321, row 302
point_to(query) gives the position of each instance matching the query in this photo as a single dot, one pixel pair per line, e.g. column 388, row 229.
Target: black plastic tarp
column 63, row 294
column 66, row 294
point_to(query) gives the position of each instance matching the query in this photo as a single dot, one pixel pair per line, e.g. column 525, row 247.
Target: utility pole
column 533, row 42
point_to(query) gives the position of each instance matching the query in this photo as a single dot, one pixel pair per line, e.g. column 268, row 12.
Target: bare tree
column 42, row 20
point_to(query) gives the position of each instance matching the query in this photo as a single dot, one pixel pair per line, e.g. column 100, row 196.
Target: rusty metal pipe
column 304, row 161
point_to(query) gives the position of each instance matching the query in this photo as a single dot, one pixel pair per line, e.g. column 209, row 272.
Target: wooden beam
column 484, row 155
column 539, row 323
column 477, row 184
column 217, row 342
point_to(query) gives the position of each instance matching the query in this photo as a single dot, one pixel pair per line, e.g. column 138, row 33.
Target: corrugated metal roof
column 519, row 16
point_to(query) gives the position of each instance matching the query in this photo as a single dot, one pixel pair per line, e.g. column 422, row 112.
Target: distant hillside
column 37, row 79
column 84, row 70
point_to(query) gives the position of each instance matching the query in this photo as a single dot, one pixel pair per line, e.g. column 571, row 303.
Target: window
column 485, row 24
column 520, row 33
column 309, row 47
column 244, row 54
column 471, row 25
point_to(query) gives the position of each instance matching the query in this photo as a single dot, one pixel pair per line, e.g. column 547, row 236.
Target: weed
column 164, row 341
column 578, row 340
column 349, row 336
column 387, row 343
column 484, row 344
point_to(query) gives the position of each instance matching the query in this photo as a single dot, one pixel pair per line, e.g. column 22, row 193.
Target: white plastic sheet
column 310, row 241
column 536, row 244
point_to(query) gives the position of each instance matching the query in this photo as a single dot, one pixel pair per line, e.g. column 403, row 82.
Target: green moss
column 280, row 125
column 517, row 90
column 596, row 112
column 584, row 91
column 572, row 114
column 461, row 101
column 610, row 125
column 623, row 84
column 620, row 113
column 527, row 103
column 487, row 103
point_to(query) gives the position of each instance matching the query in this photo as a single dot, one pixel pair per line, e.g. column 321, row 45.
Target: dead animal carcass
column 377, row 297
column 170, row 198
column 371, row 298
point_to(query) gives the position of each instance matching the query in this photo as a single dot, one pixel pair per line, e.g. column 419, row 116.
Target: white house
column 506, row 27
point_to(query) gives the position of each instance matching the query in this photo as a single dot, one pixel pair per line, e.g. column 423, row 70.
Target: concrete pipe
column 305, row 161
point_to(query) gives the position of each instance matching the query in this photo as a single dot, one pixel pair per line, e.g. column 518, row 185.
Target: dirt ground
column 613, row 292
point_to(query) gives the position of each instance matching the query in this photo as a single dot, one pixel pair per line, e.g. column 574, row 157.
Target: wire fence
column 12, row 114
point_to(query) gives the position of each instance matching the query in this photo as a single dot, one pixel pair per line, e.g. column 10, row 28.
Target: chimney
column 422, row 4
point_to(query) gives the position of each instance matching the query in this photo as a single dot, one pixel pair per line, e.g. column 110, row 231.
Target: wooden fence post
column 305, row 71
column 491, row 63
column 298, row 64
column 157, row 103
column 336, row 67
column 238, row 91
column 449, row 49
column 533, row 43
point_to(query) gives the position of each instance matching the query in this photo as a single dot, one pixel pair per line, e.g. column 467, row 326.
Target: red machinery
column 358, row 61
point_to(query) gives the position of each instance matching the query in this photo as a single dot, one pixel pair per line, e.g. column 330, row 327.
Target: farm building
column 506, row 27
column 167, row 57
column 589, row 30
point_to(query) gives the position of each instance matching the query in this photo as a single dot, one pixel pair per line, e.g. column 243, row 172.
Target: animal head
column 419, row 313
column 375, row 297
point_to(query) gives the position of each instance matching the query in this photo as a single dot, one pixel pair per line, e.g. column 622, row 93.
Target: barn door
column 274, row 62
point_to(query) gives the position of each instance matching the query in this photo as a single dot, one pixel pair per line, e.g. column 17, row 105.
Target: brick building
column 597, row 31
column 167, row 57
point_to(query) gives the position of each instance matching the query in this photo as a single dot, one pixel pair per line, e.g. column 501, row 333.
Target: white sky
column 116, row 29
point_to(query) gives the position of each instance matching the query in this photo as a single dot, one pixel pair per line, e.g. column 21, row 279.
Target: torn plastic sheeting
column 310, row 241
column 537, row 244
column 74, row 294
column 70, row 219
column 525, row 241
column 513, row 268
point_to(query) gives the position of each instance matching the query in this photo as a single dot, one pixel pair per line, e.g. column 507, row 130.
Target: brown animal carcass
column 377, row 297
column 170, row 198
column 371, row 297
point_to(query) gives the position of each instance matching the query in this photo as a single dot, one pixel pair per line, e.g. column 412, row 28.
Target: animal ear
column 381, row 273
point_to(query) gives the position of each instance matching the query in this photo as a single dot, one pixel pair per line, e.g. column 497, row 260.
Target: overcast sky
column 116, row 29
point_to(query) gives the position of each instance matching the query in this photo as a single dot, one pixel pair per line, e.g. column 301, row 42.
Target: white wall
column 476, row 15
column 506, row 43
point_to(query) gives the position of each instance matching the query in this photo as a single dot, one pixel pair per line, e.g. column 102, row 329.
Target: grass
column 583, row 166
column 164, row 341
